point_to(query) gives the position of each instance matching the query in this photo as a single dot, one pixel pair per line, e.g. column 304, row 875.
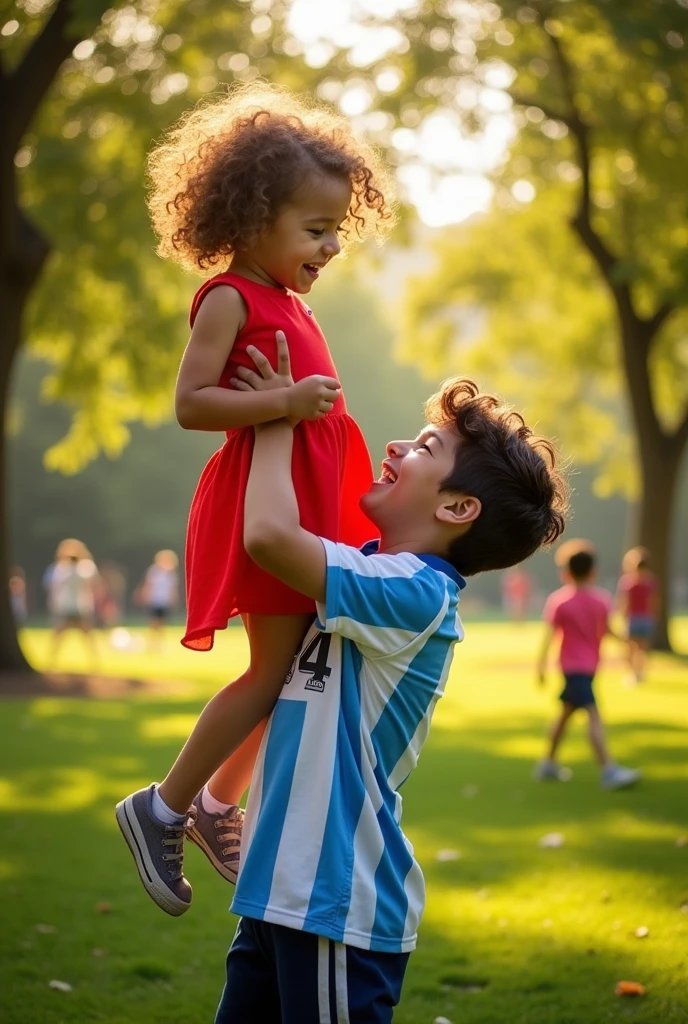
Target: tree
column 84, row 88
column 599, row 90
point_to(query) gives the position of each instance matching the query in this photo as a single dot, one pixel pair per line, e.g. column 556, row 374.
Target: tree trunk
column 660, row 473
column 11, row 657
column 660, row 455
column 23, row 250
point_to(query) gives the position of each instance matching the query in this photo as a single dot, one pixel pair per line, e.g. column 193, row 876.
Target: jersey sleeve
column 380, row 602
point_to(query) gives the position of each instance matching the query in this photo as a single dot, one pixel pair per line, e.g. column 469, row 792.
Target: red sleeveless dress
column 331, row 470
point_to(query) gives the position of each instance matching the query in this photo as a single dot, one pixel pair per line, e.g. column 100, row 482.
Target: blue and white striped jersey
column 322, row 847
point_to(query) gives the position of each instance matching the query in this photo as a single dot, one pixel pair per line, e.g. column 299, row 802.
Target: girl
column 636, row 597
column 268, row 188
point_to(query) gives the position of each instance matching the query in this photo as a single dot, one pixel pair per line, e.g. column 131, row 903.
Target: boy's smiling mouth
column 387, row 474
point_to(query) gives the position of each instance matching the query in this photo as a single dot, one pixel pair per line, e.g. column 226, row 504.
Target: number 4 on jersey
column 314, row 660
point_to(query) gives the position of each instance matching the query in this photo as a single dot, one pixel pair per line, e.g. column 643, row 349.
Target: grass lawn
column 513, row 933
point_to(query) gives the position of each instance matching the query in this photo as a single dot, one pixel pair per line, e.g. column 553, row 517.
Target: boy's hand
column 309, row 399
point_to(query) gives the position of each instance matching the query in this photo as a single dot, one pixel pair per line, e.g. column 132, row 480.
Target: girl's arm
column 199, row 403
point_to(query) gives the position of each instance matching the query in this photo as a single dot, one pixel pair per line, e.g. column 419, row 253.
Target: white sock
column 164, row 813
column 211, row 805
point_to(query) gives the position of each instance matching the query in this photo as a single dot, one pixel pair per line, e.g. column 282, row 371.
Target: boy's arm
column 544, row 651
column 273, row 535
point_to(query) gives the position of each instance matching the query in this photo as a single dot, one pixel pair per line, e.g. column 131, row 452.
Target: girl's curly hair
column 221, row 174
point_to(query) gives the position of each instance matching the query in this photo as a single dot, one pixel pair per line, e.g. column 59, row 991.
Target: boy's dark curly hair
column 513, row 473
column 221, row 174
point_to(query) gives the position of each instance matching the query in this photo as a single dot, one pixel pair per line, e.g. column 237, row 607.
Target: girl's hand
column 309, row 399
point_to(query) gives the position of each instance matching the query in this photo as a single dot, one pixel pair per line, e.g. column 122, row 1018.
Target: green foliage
column 108, row 314
column 599, row 91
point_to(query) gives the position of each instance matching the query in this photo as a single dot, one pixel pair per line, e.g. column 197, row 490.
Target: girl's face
column 303, row 239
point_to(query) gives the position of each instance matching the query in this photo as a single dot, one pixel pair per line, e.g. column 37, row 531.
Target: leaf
column 642, row 932
column 629, row 988
column 46, row 929
column 447, row 855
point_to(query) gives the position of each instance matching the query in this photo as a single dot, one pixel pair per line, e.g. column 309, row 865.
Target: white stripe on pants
column 340, row 982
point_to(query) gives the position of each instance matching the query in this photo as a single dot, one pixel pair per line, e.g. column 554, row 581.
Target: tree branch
column 532, row 101
column 659, row 318
column 582, row 219
column 31, row 79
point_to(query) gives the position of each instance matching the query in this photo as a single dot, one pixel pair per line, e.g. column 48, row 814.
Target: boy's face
column 407, row 493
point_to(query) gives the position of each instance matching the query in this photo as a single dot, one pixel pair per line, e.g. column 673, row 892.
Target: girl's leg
column 558, row 730
column 232, row 779
column 233, row 713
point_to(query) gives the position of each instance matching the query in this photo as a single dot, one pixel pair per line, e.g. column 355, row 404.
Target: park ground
column 514, row 932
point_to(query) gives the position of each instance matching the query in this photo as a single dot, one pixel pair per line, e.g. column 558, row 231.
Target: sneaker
column 157, row 850
column 546, row 770
column 618, row 777
column 219, row 836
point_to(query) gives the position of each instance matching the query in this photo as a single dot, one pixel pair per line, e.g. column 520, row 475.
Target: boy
column 579, row 613
column 329, row 892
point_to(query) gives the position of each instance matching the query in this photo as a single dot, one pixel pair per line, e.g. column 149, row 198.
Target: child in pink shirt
column 578, row 613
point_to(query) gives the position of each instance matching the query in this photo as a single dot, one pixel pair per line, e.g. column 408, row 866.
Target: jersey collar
column 434, row 561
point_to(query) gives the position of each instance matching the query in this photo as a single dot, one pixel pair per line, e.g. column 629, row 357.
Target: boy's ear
column 459, row 510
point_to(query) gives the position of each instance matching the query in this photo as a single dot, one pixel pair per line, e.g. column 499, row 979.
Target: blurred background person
column 636, row 599
column 73, row 586
column 577, row 615
column 18, row 599
column 517, row 588
column 159, row 594
column 111, row 595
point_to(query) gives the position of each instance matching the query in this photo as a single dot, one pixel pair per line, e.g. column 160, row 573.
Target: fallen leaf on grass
column 642, row 932
column 99, row 952
column 682, row 841
column 61, row 986
column 46, row 929
column 446, row 855
column 442, row 1020
column 629, row 988
column 468, row 792
column 551, row 840
column 103, row 908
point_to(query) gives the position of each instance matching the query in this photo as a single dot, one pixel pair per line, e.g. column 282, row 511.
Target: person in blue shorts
column 329, row 892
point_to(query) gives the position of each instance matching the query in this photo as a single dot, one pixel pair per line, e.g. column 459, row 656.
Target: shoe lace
column 173, row 840
column 230, row 839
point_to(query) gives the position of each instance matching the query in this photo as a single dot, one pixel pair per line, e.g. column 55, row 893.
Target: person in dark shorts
column 578, row 614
